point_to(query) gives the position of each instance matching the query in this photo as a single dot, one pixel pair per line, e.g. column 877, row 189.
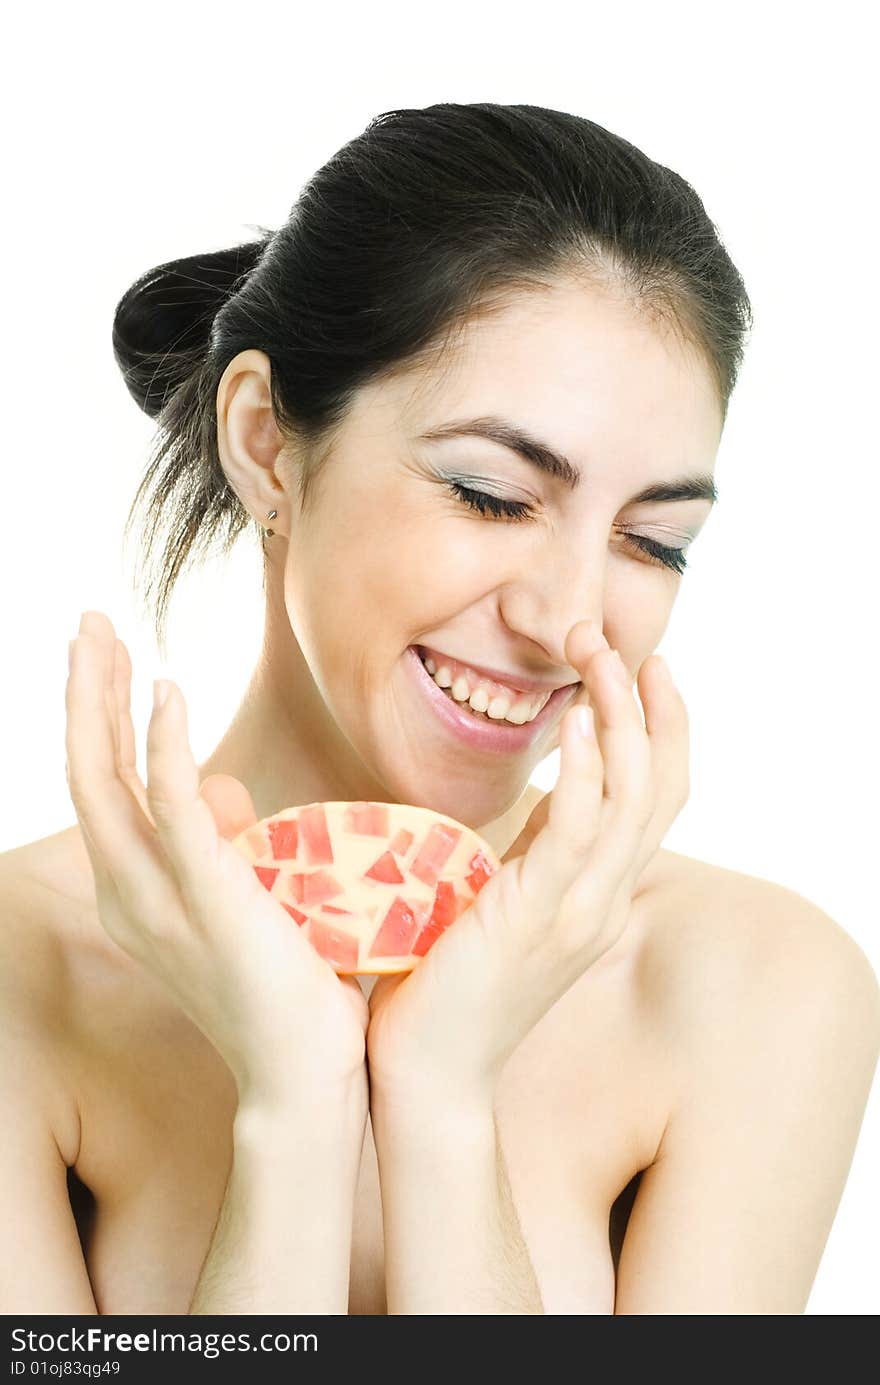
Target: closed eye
column 660, row 553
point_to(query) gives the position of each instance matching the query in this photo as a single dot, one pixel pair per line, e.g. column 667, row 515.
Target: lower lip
column 499, row 735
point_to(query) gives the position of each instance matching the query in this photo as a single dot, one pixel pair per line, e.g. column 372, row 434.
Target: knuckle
column 79, row 792
column 579, row 927
column 577, row 834
column 566, row 944
column 630, row 818
column 165, row 811
column 642, row 800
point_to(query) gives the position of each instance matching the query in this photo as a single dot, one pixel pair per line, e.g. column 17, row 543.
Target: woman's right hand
column 177, row 896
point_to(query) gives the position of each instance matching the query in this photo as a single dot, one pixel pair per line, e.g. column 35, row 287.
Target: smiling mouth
column 484, row 699
column 491, row 733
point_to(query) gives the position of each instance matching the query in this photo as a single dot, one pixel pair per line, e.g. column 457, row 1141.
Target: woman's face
column 386, row 556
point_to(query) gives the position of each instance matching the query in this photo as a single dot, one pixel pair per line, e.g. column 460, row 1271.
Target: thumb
column 230, row 802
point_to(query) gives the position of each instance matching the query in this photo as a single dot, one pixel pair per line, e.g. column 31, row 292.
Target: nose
column 542, row 605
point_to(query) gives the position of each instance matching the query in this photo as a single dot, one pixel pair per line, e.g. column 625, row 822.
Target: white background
column 142, row 133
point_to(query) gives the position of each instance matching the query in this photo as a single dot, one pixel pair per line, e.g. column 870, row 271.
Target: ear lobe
column 230, row 802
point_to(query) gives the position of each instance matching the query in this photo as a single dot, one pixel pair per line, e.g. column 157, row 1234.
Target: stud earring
column 271, row 515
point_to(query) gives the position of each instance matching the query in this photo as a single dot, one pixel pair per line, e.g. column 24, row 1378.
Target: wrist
column 323, row 1112
column 439, row 1112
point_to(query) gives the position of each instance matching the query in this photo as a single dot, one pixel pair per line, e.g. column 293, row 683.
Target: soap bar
column 372, row 885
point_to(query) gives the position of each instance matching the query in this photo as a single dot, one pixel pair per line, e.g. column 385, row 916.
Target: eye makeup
column 663, row 555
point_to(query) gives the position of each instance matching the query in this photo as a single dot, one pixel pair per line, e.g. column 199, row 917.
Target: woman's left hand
column 561, row 898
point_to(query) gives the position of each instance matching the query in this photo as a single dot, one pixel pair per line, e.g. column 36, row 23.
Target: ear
column 230, row 803
column 248, row 439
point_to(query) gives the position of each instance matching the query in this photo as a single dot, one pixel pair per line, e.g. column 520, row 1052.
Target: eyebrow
column 539, row 454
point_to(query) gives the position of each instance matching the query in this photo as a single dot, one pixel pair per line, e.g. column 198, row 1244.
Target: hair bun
column 162, row 324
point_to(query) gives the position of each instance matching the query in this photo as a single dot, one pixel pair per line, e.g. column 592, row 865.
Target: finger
column 667, row 726
column 230, row 803
column 668, row 729
column 603, row 793
column 184, row 820
column 105, row 807
column 666, row 733
column 126, row 745
column 559, row 852
column 584, row 640
column 620, row 731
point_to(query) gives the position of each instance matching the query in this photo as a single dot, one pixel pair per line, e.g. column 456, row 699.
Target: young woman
column 472, row 391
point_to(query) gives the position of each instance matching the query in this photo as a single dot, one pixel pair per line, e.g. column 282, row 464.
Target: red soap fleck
column 267, row 875
column 283, row 835
column 402, row 842
column 480, row 870
column 318, row 886
column 334, row 944
column 332, row 909
column 315, row 837
column 399, row 927
column 294, row 913
column 366, row 819
column 434, row 852
column 385, row 869
column 444, row 909
column 444, row 912
column 426, row 939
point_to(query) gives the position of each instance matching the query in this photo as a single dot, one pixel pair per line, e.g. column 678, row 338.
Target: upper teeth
column 484, row 696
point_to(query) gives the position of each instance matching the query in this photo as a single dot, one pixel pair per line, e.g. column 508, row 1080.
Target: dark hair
column 427, row 218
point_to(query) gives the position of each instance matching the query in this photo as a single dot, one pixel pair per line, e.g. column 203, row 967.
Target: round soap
column 372, row 885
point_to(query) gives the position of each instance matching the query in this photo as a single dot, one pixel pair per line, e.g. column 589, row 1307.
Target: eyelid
column 667, row 531
column 500, row 490
column 488, row 485
column 672, row 557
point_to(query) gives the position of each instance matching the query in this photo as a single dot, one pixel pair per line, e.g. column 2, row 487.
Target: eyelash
column 659, row 553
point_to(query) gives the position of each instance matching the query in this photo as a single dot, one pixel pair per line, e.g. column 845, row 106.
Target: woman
column 472, row 390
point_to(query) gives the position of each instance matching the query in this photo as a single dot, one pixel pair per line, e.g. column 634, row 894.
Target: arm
column 452, row 1240
column 42, row 1269
column 173, row 891
column 733, row 1215
column 282, row 1243
column 443, row 1033
column 45, row 1273
column 283, row 1237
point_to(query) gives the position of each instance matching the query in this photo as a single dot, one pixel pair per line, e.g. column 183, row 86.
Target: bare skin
column 722, row 1048
column 138, row 1106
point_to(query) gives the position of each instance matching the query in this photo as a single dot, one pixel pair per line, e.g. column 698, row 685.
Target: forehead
column 579, row 367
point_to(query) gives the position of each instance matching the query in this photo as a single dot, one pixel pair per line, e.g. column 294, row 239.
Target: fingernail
column 619, row 668
column 160, row 692
column 586, row 724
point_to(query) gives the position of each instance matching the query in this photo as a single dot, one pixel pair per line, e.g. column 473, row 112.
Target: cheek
column 407, row 564
column 358, row 587
column 635, row 621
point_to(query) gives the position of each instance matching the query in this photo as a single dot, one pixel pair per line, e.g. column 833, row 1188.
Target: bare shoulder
column 36, row 897
column 728, row 953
